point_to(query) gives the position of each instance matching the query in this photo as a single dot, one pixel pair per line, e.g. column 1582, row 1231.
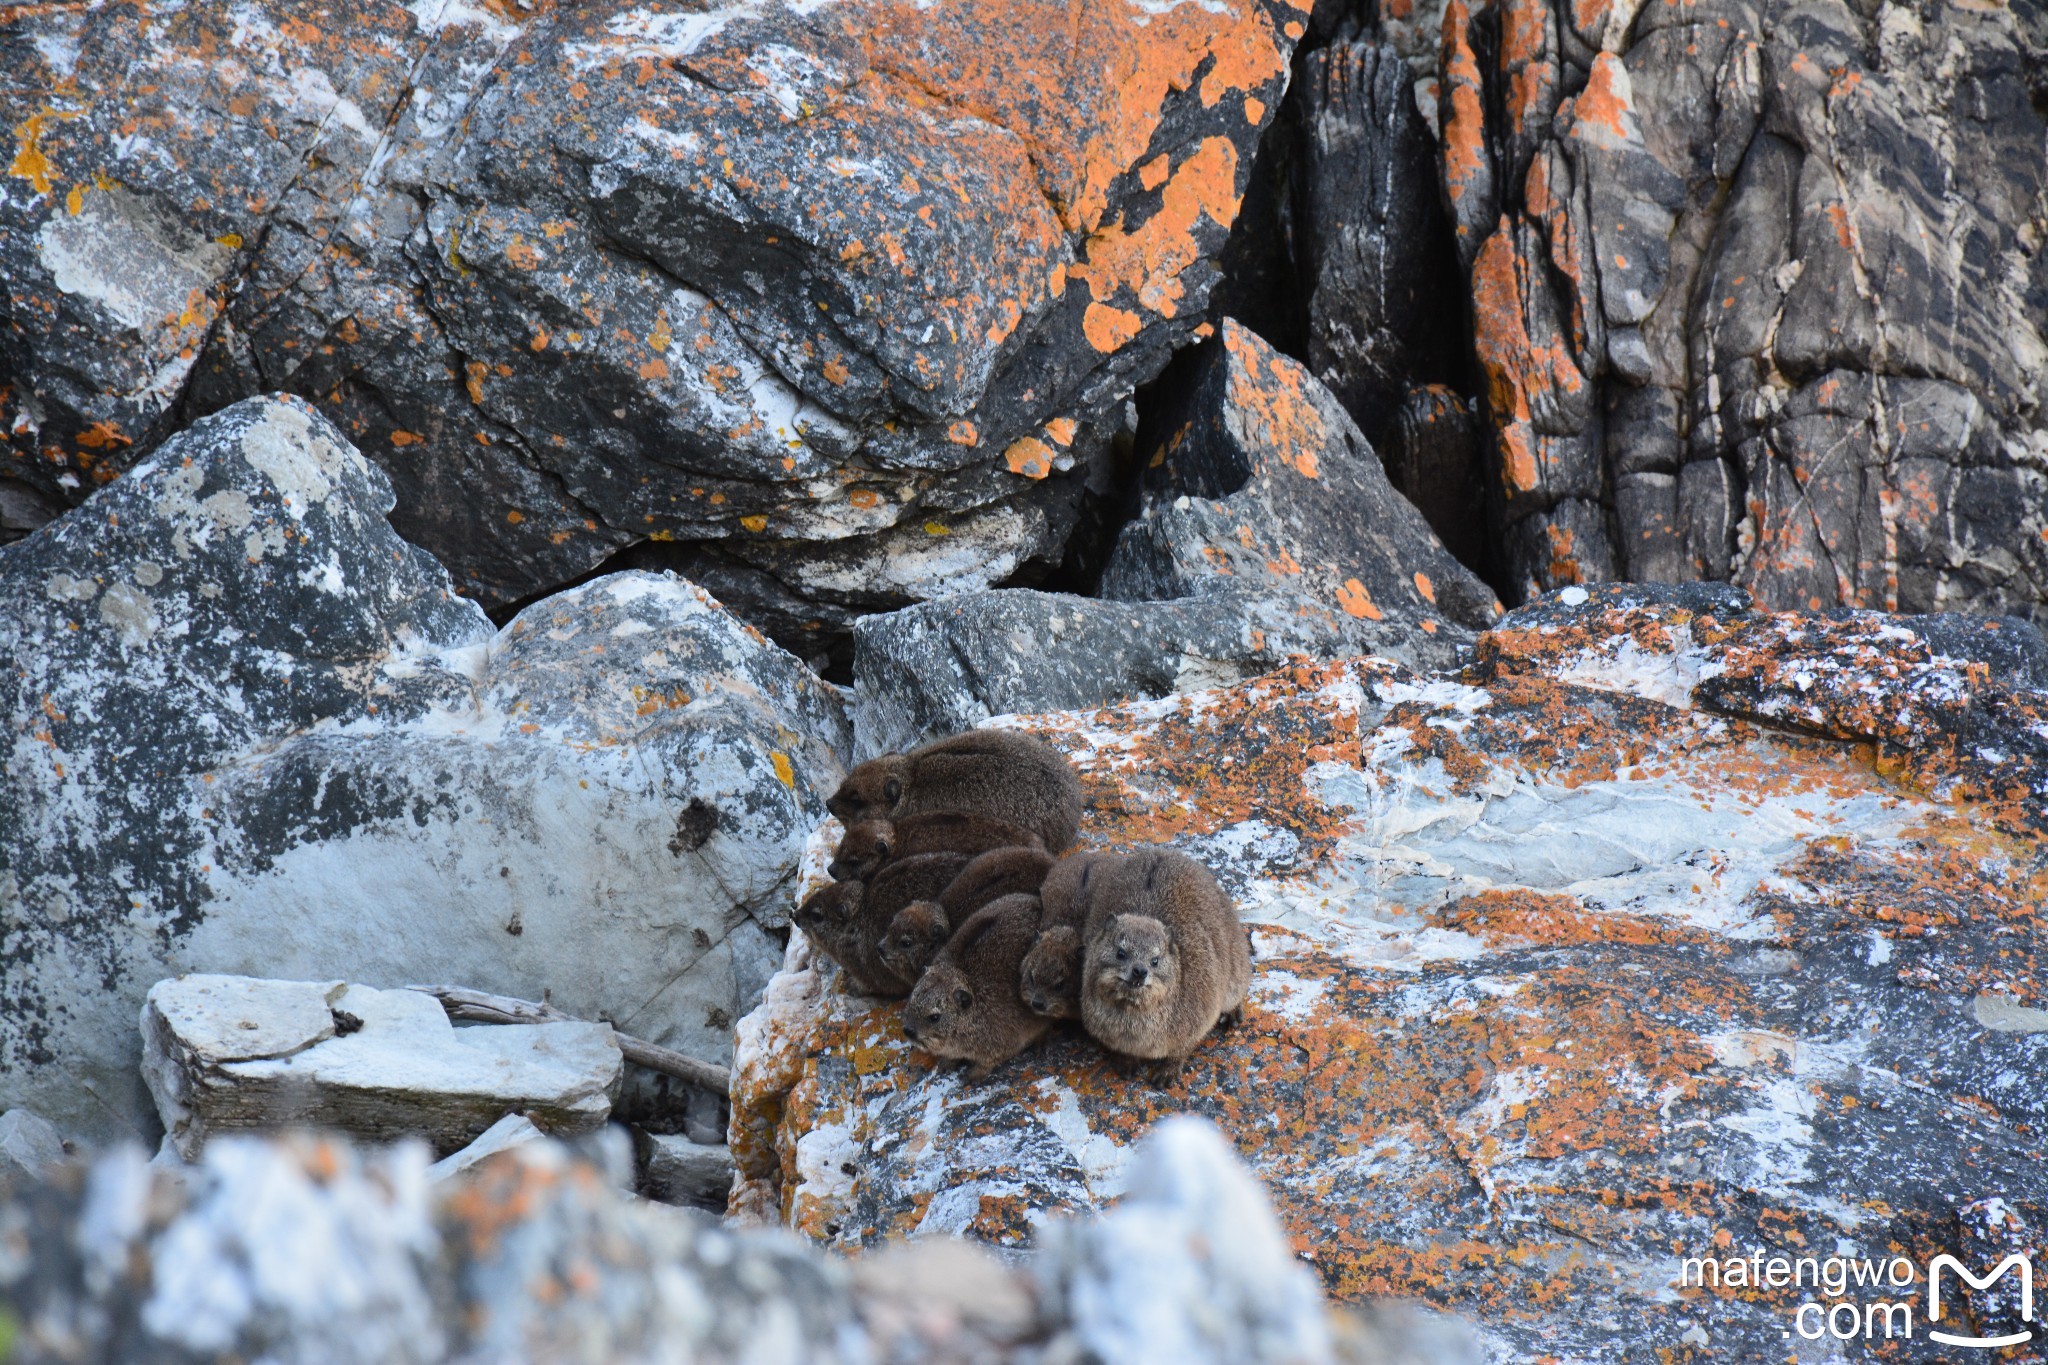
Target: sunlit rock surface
column 1670, row 925
column 250, row 730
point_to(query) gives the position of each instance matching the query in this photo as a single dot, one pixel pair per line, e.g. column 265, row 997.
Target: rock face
column 313, row 1251
column 1268, row 529
column 1264, row 480
column 816, row 292
column 1669, row 925
column 227, row 1053
column 1758, row 293
column 252, row 731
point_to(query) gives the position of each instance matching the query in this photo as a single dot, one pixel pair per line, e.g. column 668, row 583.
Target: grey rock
column 675, row 1170
column 257, row 733
column 29, row 1145
column 222, row 1054
column 800, row 292
column 1264, row 482
column 511, row 1131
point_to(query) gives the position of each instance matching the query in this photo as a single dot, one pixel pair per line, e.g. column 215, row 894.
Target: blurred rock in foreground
column 305, row 1249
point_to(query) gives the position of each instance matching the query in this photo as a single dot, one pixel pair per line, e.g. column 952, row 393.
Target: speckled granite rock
column 805, row 288
column 311, row 1251
column 250, row 730
column 1669, row 925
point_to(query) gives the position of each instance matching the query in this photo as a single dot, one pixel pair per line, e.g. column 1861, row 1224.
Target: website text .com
column 1856, row 1298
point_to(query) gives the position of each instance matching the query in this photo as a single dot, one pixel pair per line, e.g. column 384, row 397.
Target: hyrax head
column 826, row 912
column 865, row 846
column 914, row 938
column 1132, row 961
column 871, row 791
column 1050, row 977
column 940, row 1006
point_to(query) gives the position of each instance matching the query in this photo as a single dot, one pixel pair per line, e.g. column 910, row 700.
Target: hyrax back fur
column 1000, row 773
column 921, row 928
column 846, row 920
column 869, row 844
column 1165, row 958
column 966, row 1006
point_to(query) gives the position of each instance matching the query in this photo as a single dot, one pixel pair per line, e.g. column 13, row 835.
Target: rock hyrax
column 846, row 920
column 1165, row 958
column 868, row 844
column 921, row 928
column 965, row 1007
column 1011, row 776
column 1050, row 978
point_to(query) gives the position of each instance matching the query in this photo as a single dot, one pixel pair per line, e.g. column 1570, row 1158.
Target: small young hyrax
column 921, row 928
column 1050, row 978
column 868, row 844
column 846, row 920
column 965, row 1007
column 1001, row 773
column 1165, row 958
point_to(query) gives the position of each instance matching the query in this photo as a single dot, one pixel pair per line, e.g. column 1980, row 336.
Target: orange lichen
column 1029, row 457
column 1356, row 601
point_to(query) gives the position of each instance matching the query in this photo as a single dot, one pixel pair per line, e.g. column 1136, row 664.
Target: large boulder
column 1758, row 293
column 800, row 290
column 1267, row 529
column 252, row 731
column 312, row 1250
column 1670, row 928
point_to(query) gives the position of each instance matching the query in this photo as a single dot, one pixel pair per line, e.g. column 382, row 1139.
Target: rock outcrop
column 1758, row 292
column 1669, row 926
column 250, row 730
column 311, row 1250
column 842, row 301
column 225, row 1054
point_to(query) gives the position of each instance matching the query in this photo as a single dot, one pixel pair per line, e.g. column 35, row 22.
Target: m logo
column 2026, row 1269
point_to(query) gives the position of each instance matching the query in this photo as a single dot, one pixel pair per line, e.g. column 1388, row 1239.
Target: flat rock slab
column 1561, row 977
column 224, row 1053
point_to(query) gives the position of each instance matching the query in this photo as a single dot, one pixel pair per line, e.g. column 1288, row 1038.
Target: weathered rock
column 513, row 1130
column 789, row 284
column 1758, row 294
column 222, row 1054
column 675, row 1170
column 1265, row 482
column 29, row 1145
column 1670, row 925
column 312, row 1250
column 252, row 731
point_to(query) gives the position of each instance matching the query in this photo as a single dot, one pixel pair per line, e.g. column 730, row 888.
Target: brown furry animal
column 921, row 928
column 846, row 920
column 1165, row 958
column 1050, row 978
column 1000, row 773
column 965, row 1007
column 869, row 844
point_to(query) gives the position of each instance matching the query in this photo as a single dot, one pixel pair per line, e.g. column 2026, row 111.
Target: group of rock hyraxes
column 948, row 887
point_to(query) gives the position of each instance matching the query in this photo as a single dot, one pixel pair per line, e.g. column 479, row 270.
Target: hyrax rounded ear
column 963, row 997
column 892, row 790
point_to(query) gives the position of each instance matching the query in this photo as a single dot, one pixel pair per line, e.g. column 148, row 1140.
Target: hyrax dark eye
column 1123, row 955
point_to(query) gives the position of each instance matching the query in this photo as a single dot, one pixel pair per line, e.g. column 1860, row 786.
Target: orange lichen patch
column 1520, row 917
column 1356, row 601
column 1153, row 173
column 31, row 162
column 1108, row 329
column 1425, row 587
column 1061, row 430
column 962, row 433
column 1254, row 110
column 1564, row 564
column 1526, row 26
column 864, row 498
column 835, row 371
column 515, row 517
column 784, row 773
column 1029, row 457
column 501, row 1193
column 756, row 523
column 1148, row 260
column 1464, row 120
column 1516, row 366
column 1273, row 392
